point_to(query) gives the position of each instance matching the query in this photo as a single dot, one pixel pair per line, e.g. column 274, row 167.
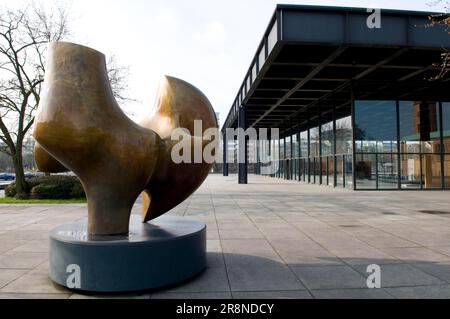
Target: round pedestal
column 159, row 253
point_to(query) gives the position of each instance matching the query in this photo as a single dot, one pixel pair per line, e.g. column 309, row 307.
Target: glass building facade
column 381, row 145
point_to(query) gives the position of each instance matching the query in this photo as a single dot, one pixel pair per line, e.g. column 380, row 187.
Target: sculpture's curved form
column 80, row 124
column 47, row 163
column 178, row 105
column 80, row 127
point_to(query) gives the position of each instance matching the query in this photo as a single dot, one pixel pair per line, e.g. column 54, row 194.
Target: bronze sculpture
column 80, row 127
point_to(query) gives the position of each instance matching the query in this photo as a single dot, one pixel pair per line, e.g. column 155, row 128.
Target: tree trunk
column 20, row 175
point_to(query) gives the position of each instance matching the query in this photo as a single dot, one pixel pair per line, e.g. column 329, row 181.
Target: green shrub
column 43, row 191
column 49, row 187
column 10, row 190
column 77, row 191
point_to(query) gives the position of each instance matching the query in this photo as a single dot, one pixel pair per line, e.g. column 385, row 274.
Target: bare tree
column 24, row 34
column 24, row 37
column 118, row 77
column 441, row 19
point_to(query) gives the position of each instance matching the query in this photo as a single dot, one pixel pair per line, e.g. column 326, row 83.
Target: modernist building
column 355, row 105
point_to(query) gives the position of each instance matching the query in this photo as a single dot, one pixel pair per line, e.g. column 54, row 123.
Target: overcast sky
column 209, row 43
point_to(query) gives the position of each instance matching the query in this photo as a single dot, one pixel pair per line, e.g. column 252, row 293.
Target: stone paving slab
column 269, row 239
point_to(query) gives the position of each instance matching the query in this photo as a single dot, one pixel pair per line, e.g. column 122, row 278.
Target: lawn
column 10, row 200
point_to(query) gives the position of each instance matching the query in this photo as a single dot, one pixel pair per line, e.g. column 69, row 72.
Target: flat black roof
column 315, row 58
column 306, row 7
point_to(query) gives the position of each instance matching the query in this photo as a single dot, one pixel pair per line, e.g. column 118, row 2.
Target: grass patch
column 11, row 200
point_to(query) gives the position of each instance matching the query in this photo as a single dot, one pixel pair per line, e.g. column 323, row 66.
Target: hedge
column 50, row 187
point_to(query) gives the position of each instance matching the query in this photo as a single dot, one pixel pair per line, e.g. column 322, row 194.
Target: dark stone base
column 162, row 252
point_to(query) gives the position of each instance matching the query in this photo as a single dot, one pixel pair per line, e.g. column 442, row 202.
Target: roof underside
column 321, row 56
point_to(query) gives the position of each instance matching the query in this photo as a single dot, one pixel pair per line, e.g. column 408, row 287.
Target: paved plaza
column 270, row 239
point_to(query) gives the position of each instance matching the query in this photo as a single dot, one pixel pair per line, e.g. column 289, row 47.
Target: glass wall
column 376, row 144
column 420, row 138
column 327, row 137
column 366, row 173
column 304, row 154
column 398, row 145
column 344, row 151
column 446, row 165
column 295, row 148
column 304, row 145
column 314, row 145
column 387, row 170
column 446, row 143
column 344, row 136
column 321, row 154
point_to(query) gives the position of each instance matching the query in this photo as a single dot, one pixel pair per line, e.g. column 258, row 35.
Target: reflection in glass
column 324, row 170
column 387, row 171
column 295, row 146
column 295, row 169
column 275, row 149
column 344, row 136
column 410, row 171
column 376, row 126
column 304, row 144
column 314, row 141
column 304, row 169
column 447, row 171
column 423, row 163
column 317, row 164
column 419, row 127
column 331, row 170
column 311, row 176
column 365, row 171
column 348, row 171
column 288, row 147
column 446, row 126
column 327, row 138
column 431, row 171
column 340, row 170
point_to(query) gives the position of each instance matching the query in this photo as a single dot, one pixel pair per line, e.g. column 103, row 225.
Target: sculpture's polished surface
column 47, row 163
column 178, row 105
column 79, row 126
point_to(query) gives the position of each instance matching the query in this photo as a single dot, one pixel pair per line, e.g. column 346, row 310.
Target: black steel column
column 284, row 159
column 334, row 148
column 299, row 170
column 441, row 133
column 309, row 155
column 292, row 160
column 299, row 151
column 279, row 158
column 225, row 154
column 320, row 147
column 243, row 150
column 352, row 101
column 399, row 160
column 269, row 150
column 258, row 155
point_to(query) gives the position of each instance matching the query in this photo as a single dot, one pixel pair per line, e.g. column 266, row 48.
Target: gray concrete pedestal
column 159, row 253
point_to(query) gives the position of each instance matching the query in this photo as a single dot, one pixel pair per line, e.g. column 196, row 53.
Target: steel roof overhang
column 315, row 59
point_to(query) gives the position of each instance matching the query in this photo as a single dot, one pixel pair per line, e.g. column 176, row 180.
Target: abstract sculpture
column 80, row 127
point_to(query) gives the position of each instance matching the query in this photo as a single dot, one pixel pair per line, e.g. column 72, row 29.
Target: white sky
column 209, row 43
